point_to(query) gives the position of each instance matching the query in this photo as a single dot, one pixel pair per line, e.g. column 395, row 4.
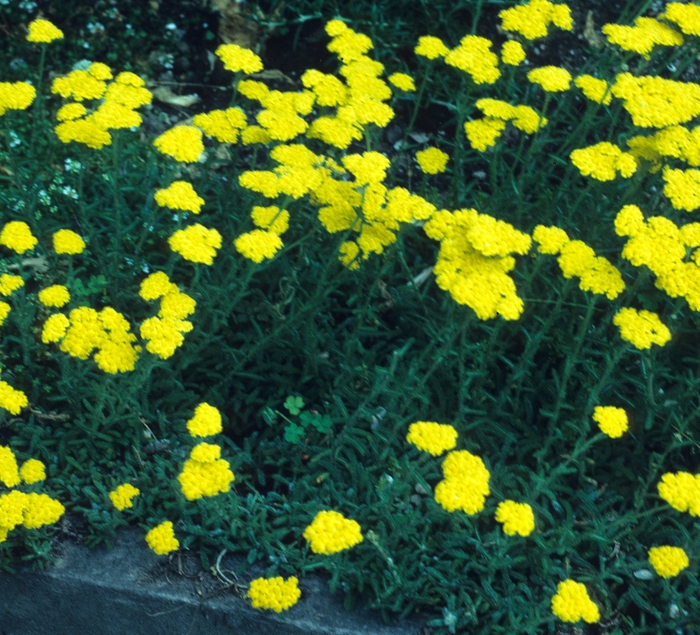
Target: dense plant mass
column 454, row 369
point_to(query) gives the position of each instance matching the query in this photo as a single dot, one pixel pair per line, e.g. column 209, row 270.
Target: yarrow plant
column 455, row 234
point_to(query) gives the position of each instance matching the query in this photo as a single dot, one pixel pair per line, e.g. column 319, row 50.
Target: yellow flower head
column 550, row 239
column 512, row 53
column 432, row 160
column 532, row 19
column 475, row 57
column 55, row 328
column 402, row 82
column 603, row 161
column 271, row 218
column 611, row 420
column 643, row 36
column 196, row 243
column 54, row 296
column 276, row 594
column 517, row 518
column 162, row 538
column 641, row 328
column 205, row 422
column 176, row 305
column 10, row 283
column 685, row 15
column 32, row 471
column 17, row 236
column 180, row 195
column 432, row 437
column 597, row 90
column 238, row 59
column 466, row 483
column 42, row 31
column 123, row 496
column 431, row 47
column 571, row 603
column 258, row 245
column 156, row 285
column 16, row 96
column 204, row 473
column 552, row 79
column 668, row 561
column 330, row 532
column 681, row 491
column 68, row 242
column 164, row 335
column 9, row 471
column 368, row 167
column 682, row 187
column 182, row 143
column 41, row 510
column 483, row 133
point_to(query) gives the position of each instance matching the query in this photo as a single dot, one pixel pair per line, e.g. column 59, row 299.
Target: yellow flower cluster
column 238, row 59
column 40, row 510
column 533, row 18
column 9, row 470
column 17, row 236
column 330, row 532
column 182, row 143
column 432, row 160
column 117, row 109
column 196, row 243
column 552, row 79
column 205, row 473
column 686, row 16
column 205, row 422
column 68, row 242
column 571, row 603
column 474, row 261
column 483, row 133
column 643, row 36
column 611, row 420
column 517, row 518
column 681, row 491
column 578, row 260
column 164, row 332
column 86, row 330
column 641, row 328
column 4, row 311
column 12, row 400
column 660, row 245
column 10, row 283
column 431, row 47
column 597, row 90
column 668, row 561
column 161, row 539
column 16, row 96
column 683, row 188
column 123, row 496
column 32, row 471
column 603, row 161
column 475, row 57
column 466, row 483
column 402, row 82
column 223, row 125
column 512, row 53
column 180, row 195
column 54, row 296
column 43, row 32
column 655, row 102
column 432, row 437
column 276, row 594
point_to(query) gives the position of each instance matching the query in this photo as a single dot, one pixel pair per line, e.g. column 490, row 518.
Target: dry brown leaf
column 595, row 39
column 235, row 24
column 167, row 96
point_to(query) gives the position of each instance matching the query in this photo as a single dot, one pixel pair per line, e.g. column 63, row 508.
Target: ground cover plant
column 454, row 368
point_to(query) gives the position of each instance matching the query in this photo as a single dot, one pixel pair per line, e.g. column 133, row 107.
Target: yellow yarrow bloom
column 164, row 335
column 17, row 236
column 682, row 187
column 681, row 491
column 67, row 242
column 517, row 518
column 550, row 240
column 41, row 510
column 552, row 79
column 432, row 437
column 466, row 483
column 685, row 15
column 156, row 285
column 206, row 421
column 10, row 283
column 432, row 160
column 54, row 296
column 4, row 311
column 402, row 82
column 71, row 111
column 180, row 195
column 668, row 561
column 571, row 603
column 123, row 496
column 368, row 167
column 474, row 56
column 611, row 420
column 12, row 400
column 512, row 53
column 238, row 59
column 330, row 532
column 603, row 161
column 161, row 539
column 271, row 218
column 258, row 245
column 84, row 131
column 533, row 18
column 483, row 133
column 431, row 47
column 176, row 305
column 196, row 243
column 597, row 274
column 276, row 594
column 204, row 473
column 597, row 90
column 643, row 36
column 81, row 85
column 16, row 96
column 641, row 328
column 9, row 471
column 222, row 125
column 32, row 471
column 182, row 143
column 43, row 31
column 55, row 328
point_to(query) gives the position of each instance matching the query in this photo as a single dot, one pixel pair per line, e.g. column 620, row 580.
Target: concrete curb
column 129, row 590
